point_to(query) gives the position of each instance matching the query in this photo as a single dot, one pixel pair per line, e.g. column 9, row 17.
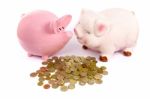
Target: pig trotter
column 44, row 58
column 103, row 58
column 127, row 53
column 84, row 47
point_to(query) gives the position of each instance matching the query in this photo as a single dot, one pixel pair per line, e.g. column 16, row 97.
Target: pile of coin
column 66, row 71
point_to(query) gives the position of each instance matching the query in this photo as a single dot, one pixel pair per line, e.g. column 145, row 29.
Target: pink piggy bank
column 42, row 33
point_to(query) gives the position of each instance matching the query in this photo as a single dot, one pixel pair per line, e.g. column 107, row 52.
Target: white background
column 128, row 77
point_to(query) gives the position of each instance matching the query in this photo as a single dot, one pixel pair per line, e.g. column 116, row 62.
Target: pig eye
column 88, row 32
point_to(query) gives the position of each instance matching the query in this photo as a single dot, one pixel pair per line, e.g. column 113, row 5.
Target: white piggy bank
column 108, row 31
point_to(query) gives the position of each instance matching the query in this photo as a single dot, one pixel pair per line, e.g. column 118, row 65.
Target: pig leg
column 29, row 54
column 106, row 53
column 127, row 52
column 84, row 47
column 45, row 57
column 104, row 57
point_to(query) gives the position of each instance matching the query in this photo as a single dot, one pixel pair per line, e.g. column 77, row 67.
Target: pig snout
column 80, row 37
column 77, row 34
column 64, row 37
column 75, row 31
column 69, row 34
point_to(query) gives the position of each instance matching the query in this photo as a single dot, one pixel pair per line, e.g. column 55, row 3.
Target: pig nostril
column 75, row 30
column 78, row 38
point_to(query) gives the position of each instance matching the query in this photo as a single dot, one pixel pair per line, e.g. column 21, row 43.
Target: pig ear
column 64, row 21
column 102, row 27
